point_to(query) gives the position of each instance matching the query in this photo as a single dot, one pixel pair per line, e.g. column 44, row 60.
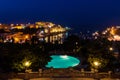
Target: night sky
column 78, row 14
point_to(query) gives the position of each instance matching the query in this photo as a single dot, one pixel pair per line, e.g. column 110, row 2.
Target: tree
column 97, row 61
column 20, row 59
column 71, row 43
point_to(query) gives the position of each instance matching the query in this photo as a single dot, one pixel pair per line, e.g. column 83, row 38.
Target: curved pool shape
column 62, row 61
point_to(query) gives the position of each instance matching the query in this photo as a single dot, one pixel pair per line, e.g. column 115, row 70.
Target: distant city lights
column 18, row 34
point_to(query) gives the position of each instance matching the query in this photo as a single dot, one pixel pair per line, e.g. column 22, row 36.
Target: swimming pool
column 62, row 61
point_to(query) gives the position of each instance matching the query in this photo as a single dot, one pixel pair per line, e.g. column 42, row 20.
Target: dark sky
column 73, row 13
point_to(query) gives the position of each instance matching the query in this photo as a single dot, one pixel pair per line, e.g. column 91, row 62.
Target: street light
column 96, row 65
column 111, row 49
column 27, row 64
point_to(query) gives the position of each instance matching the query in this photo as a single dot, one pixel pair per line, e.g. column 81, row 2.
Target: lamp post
column 96, row 65
column 27, row 64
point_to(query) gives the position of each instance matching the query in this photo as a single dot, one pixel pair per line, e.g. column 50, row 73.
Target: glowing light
column 12, row 25
column 116, row 38
column 64, row 56
column 27, row 63
column 16, row 39
column 95, row 34
column 49, row 26
column 113, row 31
column 26, row 36
column 96, row 63
column 111, row 49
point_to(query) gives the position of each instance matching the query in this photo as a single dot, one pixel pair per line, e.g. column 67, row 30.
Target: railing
column 61, row 73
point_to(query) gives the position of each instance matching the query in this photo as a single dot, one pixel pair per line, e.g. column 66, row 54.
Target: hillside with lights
column 21, row 33
column 111, row 33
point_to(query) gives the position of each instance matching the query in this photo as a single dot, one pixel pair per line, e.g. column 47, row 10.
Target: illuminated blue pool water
column 62, row 61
